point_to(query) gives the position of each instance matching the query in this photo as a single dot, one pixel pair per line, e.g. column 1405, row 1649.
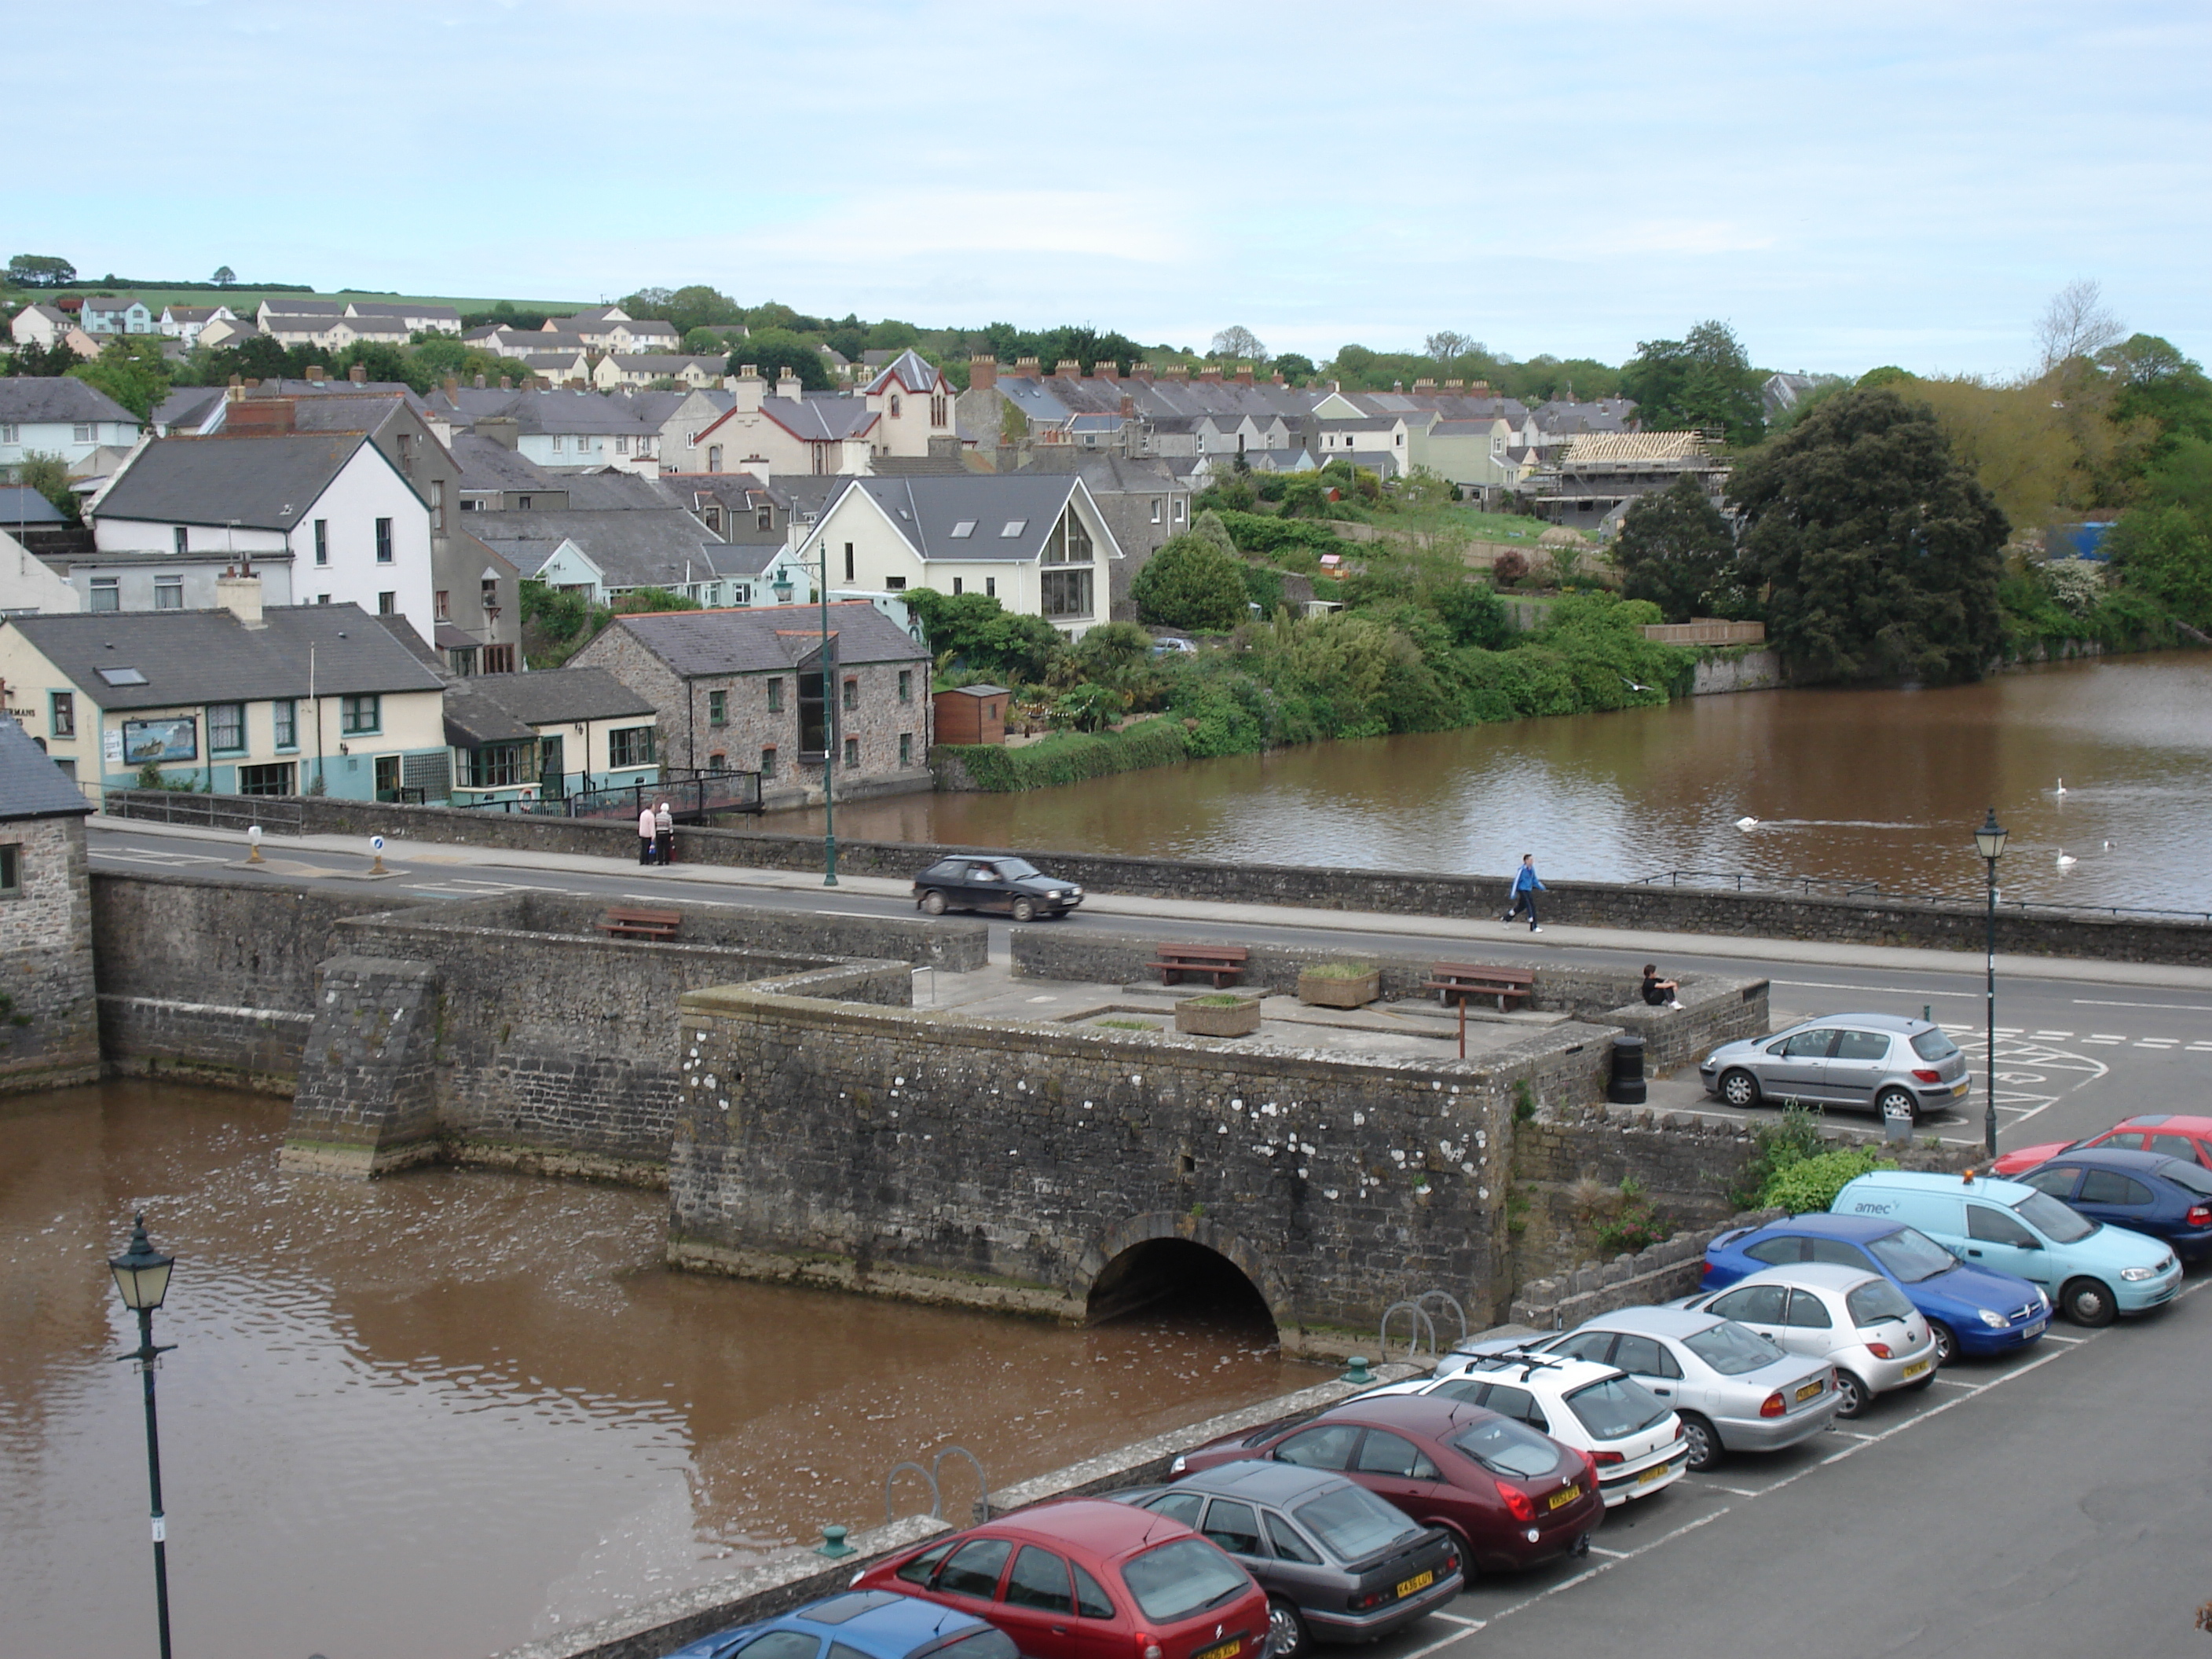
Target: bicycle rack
column 1413, row 1336
column 1450, row 1301
column 936, row 1488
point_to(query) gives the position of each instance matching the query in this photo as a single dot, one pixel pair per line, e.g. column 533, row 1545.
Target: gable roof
column 260, row 482
column 819, row 416
column 926, row 511
column 1633, row 447
column 31, row 785
column 21, row 504
column 564, row 410
column 910, row 371
column 508, row 707
column 763, row 640
column 26, row 399
column 487, row 464
column 632, row 547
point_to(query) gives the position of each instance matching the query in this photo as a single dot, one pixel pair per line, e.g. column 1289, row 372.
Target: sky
column 1845, row 185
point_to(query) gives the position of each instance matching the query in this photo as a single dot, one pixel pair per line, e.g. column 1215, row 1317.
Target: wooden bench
column 641, row 924
column 1223, row 963
column 1458, row 981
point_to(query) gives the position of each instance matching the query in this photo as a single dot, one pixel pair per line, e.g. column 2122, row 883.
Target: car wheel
column 1286, row 1632
column 1851, row 1395
column 1739, row 1089
column 1947, row 1342
column 2088, row 1302
column 1704, row 1445
column 1459, row 1543
column 932, row 902
column 1024, row 910
column 1900, row 1099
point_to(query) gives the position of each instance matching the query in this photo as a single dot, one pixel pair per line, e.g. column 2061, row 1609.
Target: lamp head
column 142, row 1273
column 1989, row 839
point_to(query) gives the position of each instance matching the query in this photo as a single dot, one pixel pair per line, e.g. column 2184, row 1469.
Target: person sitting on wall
column 1660, row 993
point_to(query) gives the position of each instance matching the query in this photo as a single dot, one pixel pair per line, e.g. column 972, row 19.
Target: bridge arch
column 1144, row 1259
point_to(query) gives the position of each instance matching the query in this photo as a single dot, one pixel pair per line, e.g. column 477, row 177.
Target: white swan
column 2066, row 858
column 2062, row 786
column 1747, row 824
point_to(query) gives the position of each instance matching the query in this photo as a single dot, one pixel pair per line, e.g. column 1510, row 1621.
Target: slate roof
column 561, row 694
column 188, row 405
column 379, row 308
column 1118, row 475
column 927, row 510
column 189, row 313
column 655, row 408
column 556, row 411
column 26, row 399
column 771, row 637
column 486, row 464
column 658, row 363
column 21, row 504
column 819, row 416
column 291, row 304
column 209, row 656
column 910, row 370
column 610, row 489
column 261, row 483
column 633, row 547
column 31, row 785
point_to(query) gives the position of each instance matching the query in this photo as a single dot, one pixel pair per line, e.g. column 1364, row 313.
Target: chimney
column 1028, row 368
column 1277, row 378
column 315, row 373
column 539, row 383
column 1210, row 375
column 1424, row 386
column 983, row 372
column 502, row 430
column 1455, row 385
column 242, row 597
column 1067, row 369
column 480, row 383
column 453, row 384
column 787, row 385
column 1244, row 373
column 749, row 389
column 1141, row 372
column 1128, row 405
column 358, row 375
column 1482, row 387
column 1178, row 372
column 259, row 417
column 1106, row 370
column 507, row 383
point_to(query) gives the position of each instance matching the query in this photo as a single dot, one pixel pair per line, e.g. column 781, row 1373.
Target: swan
column 2066, row 858
column 2108, row 847
column 2062, row 786
column 1747, row 824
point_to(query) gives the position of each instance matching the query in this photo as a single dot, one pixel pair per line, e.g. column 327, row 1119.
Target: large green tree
column 131, row 370
column 2166, row 553
column 976, row 630
column 1675, row 549
column 1882, row 553
column 1704, row 380
column 1191, row 583
column 40, row 270
column 771, row 350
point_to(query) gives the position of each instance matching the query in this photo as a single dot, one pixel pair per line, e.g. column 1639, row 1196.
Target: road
column 2078, row 1044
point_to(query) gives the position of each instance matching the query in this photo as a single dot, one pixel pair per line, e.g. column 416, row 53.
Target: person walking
column 664, row 834
column 646, row 828
column 1526, row 887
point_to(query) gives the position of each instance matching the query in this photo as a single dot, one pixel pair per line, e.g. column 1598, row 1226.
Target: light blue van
column 2091, row 1271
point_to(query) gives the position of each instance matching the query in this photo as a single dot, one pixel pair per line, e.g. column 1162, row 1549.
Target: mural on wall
column 172, row 739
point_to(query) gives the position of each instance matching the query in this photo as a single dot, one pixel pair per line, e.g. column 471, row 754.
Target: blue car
column 869, row 1624
column 2147, row 1192
column 1969, row 1310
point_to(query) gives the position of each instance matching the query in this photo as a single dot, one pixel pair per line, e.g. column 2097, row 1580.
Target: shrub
column 1338, row 970
column 1192, row 582
column 1510, row 566
column 1776, row 1145
column 1811, row 1184
column 1069, row 756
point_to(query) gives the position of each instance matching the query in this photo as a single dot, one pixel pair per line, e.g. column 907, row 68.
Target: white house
column 335, row 520
column 29, row 586
column 1035, row 542
column 411, row 314
column 111, row 314
column 619, row 369
column 609, row 328
column 185, row 322
column 791, row 431
column 59, row 416
column 912, row 403
column 40, row 325
column 558, row 427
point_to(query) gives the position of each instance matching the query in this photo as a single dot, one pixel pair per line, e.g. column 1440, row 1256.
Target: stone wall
column 1719, row 674
column 49, row 1020
column 367, row 1102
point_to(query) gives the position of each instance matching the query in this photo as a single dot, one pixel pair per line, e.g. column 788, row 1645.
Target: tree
column 224, row 277
column 1191, row 583
column 40, row 270
column 1674, row 549
column 44, row 362
column 701, row 306
column 771, row 350
column 976, row 630
column 1881, row 554
column 2075, row 324
column 49, row 475
column 130, row 369
column 1447, row 344
column 1700, row 382
column 1238, row 345
column 1294, row 367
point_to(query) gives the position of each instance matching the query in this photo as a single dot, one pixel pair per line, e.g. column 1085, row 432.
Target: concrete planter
column 1320, row 991
column 1234, row 1019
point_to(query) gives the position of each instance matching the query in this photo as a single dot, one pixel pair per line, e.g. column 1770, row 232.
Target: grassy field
column 246, row 300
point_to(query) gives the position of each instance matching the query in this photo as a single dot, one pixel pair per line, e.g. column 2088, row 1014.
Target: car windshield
column 2196, row 1179
column 1731, row 1350
column 1911, row 1254
column 1352, row 1524
column 1504, row 1447
column 1178, row 1579
column 1934, row 1045
column 1017, row 869
column 2057, row 1223
column 1617, row 1407
column 1877, row 1302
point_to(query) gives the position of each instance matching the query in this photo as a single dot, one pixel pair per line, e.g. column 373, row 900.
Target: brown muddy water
column 1880, row 785
column 441, row 1414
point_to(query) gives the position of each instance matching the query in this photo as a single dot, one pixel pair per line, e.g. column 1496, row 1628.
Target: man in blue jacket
column 1526, row 887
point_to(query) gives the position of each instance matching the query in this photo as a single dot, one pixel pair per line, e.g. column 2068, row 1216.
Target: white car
column 1856, row 1321
column 1632, row 1435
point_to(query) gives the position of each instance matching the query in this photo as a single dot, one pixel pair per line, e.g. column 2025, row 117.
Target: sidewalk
column 1459, row 935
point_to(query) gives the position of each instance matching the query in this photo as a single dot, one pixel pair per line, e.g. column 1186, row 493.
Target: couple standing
column 656, row 835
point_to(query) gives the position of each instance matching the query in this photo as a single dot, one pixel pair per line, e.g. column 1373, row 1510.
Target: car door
column 1508, row 1399
column 2058, row 1180
column 1395, row 1470
column 2108, row 1195
column 1038, row 1605
column 970, row 1574
column 1764, row 1308
column 1232, row 1526
column 782, row 1644
column 1797, row 1067
column 1811, row 1329
column 1997, row 1238
column 1324, row 1446
column 2180, row 1146
column 986, row 888
column 1841, row 1252
column 1651, row 1362
column 1857, row 1068
column 1297, row 1566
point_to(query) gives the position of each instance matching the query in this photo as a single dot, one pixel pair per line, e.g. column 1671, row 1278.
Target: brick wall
column 49, row 1029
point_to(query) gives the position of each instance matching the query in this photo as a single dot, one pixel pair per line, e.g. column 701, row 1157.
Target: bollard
column 833, row 1544
column 1896, row 1126
column 1626, row 1087
column 253, row 843
column 376, row 861
column 1359, row 1376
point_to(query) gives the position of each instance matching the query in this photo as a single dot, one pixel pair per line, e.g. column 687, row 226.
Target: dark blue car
column 864, row 1625
column 2147, row 1192
column 1969, row 1310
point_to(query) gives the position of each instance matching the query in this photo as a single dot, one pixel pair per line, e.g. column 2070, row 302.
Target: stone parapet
column 366, row 1104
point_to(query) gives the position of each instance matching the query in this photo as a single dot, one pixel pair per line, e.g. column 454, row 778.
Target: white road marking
column 2170, row 1007
column 1740, row 1492
column 1953, row 1383
column 1603, row 1566
column 1460, row 1618
column 1600, row 1549
column 1890, row 990
column 2050, row 1033
column 2102, row 1039
column 1856, row 1434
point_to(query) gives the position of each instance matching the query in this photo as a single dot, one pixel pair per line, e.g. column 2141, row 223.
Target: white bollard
column 376, row 850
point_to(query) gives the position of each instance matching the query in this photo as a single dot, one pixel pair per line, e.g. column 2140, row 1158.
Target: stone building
column 51, row 1035
column 741, row 691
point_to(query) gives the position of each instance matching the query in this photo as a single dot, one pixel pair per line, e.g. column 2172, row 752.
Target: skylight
column 123, row 677
column 1014, row 527
column 965, row 528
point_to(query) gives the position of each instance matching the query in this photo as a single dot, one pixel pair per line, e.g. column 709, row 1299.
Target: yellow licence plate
column 1419, row 1581
column 1565, row 1495
column 1652, row 1473
column 1918, row 1368
column 1961, row 1086
column 1226, row 1650
column 1809, row 1390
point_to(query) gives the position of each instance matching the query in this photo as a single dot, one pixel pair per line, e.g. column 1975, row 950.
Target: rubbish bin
column 1897, row 1123
column 1627, row 1088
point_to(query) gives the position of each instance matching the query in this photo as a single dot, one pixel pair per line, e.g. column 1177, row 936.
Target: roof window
column 964, row 529
column 1014, row 527
column 123, row 677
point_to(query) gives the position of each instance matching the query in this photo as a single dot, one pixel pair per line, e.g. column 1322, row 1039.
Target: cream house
column 775, row 434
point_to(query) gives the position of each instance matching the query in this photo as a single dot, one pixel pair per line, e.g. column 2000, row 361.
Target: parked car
column 872, row 1623
column 1510, row 1497
column 2146, row 1192
column 1084, row 1579
column 2166, row 1133
column 1878, row 1061
column 1014, row 885
column 1633, row 1437
column 2091, row 1271
column 1339, row 1563
column 1969, row 1310
column 1734, row 1390
column 1852, row 1317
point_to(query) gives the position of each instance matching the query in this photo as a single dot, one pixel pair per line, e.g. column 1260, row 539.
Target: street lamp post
column 829, row 729
column 1989, row 841
column 142, row 1275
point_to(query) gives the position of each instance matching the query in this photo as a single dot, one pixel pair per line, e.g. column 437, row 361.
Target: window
column 387, row 604
column 852, row 754
column 974, row 1568
column 168, row 592
column 1875, row 1302
column 1393, row 1454
column 906, row 748
column 226, row 727
column 384, row 541
column 963, row 530
column 1065, row 593
column 1837, row 1251
column 438, row 502
column 499, row 660
column 1807, row 1312
column 1328, row 1447
column 359, row 715
column 284, row 722
column 182, row 541
column 714, row 458
column 522, row 502
column 768, row 763
column 2111, row 1187
column 718, row 762
column 62, row 720
column 990, row 587
column 1995, row 1227
column 1091, row 1601
column 957, row 587
column 621, row 443
column 106, row 596
column 322, row 541
column 1518, row 1404
column 851, row 698
column 12, row 869
column 1755, row 1304
column 775, row 696
column 2178, row 1146
column 1776, row 1251
column 1808, row 1045
column 1590, row 1345
column 487, row 595
column 848, row 562
column 630, row 745
column 905, row 686
column 501, row 765
column 1013, row 528
column 556, row 443
column 276, row 780
column 442, row 609
column 937, row 411
column 718, row 707
column 1039, row 1580
column 1862, row 1045
column 1178, row 1579
column 814, row 718
column 1156, row 509
column 895, row 584
column 81, row 432
column 1290, row 1545
column 1645, row 1357
column 1235, row 1527
column 10, row 434
column 917, row 1571
column 1182, row 509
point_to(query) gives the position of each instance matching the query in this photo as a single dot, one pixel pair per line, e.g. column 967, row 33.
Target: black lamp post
column 142, row 1275
column 1989, row 841
column 830, row 730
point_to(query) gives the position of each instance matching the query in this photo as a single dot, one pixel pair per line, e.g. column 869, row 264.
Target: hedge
column 1066, row 757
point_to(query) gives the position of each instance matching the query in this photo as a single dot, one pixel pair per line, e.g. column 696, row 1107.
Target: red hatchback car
column 1082, row 1578
column 1512, row 1498
column 2166, row 1133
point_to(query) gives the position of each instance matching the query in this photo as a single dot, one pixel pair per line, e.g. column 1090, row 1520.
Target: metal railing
column 691, row 796
column 1843, row 887
column 275, row 813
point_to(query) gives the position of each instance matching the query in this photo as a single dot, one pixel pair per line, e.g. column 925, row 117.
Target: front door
column 550, row 768
column 387, row 777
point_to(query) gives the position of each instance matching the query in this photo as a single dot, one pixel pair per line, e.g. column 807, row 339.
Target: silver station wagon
column 1881, row 1062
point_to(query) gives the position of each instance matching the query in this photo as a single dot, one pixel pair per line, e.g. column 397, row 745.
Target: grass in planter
column 1126, row 1024
column 1217, row 999
column 1338, row 970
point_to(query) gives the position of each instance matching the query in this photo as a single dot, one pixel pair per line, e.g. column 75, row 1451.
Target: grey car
column 1734, row 1390
column 1337, row 1563
column 1877, row 1061
column 1855, row 1320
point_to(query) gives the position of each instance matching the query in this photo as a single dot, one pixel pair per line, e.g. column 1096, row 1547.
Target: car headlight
column 2136, row 1275
column 1180, row 1465
column 2043, row 1297
column 1055, row 895
column 1995, row 1321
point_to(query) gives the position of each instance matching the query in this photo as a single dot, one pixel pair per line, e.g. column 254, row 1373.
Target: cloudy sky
column 1846, row 185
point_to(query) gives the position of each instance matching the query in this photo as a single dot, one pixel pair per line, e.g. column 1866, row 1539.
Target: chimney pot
column 1210, row 375
column 1106, row 370
column 1068, row 368
column 480, row 383
column 358, row 375
column 1244, row 373
column 507, row 383
column 983, row 372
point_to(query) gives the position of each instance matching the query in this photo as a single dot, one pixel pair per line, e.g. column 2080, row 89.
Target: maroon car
column 1512, row 1497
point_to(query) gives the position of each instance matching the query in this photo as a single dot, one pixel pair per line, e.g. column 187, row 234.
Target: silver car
column 1733, row 1389
column 1856, row 1321
column 1882, row 1061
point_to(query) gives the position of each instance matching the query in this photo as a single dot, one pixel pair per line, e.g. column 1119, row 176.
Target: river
column 1860, row 785
column 440, row 1414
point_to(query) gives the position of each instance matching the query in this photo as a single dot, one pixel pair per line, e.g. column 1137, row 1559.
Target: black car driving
column 968, row 882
